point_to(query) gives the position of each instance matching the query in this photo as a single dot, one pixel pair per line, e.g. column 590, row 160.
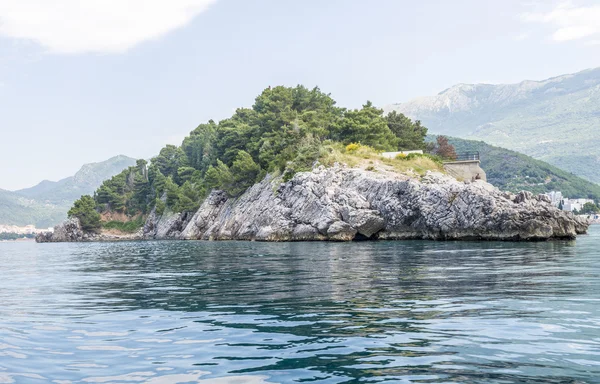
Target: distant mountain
column 513, row 171
column 47, row 203
column 84, row 182
column 19, row 210
column 555, row 120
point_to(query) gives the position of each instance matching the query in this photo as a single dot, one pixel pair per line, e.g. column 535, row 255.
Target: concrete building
column 571, row 205
column 556, row 197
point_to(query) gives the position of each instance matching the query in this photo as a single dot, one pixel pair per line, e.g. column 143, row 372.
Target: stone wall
column 465, row 170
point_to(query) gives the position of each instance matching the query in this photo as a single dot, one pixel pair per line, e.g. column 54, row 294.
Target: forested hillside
column 19, row 210
column 47, row 203
column 513, row 171
column 555, row 120
column 287, row 130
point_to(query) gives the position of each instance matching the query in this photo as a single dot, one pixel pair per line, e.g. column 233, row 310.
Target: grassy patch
column 366, row 157
column 126, row 227
column 419, row 165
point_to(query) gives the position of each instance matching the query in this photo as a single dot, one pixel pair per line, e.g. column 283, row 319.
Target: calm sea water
column 238, row 312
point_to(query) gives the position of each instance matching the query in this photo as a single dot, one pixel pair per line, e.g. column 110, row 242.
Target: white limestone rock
column 343, row 204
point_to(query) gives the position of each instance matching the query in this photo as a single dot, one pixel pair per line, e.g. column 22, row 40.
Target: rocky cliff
column 343, row 204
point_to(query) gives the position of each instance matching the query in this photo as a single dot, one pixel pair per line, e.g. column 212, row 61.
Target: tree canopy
column 411, row 135
column 84, row 209
column 284, row 132
column 589, row 209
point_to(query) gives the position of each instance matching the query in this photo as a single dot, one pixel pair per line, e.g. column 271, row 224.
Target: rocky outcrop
column 70, row 231
column 343, row 204
column 169, row 225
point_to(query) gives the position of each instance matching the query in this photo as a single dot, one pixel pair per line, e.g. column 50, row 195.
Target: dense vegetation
column 589, row 209
column 554, row 120
column 513, row 171
column 18, row 210
column 127, row 227
column 287, row 130
column 85, row 210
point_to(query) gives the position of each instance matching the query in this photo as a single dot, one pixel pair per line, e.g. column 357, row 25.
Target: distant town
column 14, row 232
column 577, row 206
column 26, row 230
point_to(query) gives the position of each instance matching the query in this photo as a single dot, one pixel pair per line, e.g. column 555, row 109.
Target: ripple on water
column 235, row 312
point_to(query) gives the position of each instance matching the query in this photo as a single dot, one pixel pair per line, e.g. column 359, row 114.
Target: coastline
column 346, row 204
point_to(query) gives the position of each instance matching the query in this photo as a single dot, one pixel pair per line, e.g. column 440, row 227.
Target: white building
column 556, row 197
column 571, row 205
column 26, row 230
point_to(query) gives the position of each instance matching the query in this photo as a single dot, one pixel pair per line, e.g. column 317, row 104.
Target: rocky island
column 343, row 204
column 295, row 167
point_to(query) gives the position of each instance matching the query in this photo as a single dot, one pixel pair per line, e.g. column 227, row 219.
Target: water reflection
column 255, row 312
column 189, row 276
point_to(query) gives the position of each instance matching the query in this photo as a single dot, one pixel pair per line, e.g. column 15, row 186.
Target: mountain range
column 556, row 120
column 513, row 171
column 47, row 203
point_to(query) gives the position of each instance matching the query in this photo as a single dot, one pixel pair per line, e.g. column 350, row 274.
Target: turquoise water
column 238, row 312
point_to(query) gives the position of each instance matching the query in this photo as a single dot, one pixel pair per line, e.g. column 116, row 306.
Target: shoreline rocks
column 70, row 231
column 344, row 204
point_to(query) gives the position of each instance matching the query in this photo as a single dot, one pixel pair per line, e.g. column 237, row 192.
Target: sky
column 84, row 80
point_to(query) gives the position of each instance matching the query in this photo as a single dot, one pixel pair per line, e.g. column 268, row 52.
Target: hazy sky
column 84, row 80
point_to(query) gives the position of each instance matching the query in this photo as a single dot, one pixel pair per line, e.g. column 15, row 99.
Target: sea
column 250, row 312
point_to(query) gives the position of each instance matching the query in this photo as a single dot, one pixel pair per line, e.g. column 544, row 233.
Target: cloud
column 570, row 22
column 521, row 37
column 102, row 26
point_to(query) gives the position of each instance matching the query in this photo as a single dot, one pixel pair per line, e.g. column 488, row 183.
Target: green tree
column 160, row 206
column 589, row 209
column 157, row 180
column 366, row 126
column 189, row 198
column 411, row 135
column 84, row 209
column 111, row 199
column 172, row 191
column 244, row 172
column 239, row 132
column 219, row 177
column 234, row 180
column 169, row 160
column 185, row 173
column 141, row 192
column 199, row 146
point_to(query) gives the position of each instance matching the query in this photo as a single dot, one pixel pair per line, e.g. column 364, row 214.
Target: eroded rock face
column 342, row 204
column 68, row 231
column 166, row 226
